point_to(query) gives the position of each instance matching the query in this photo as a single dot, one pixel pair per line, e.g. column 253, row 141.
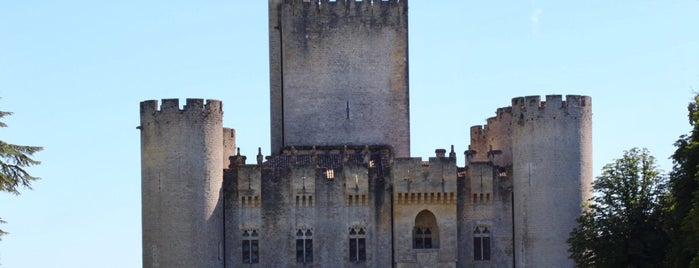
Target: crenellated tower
column 552, row 175
column 339, row 73
column 182, row 174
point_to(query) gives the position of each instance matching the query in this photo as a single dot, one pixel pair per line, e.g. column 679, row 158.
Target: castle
column 341, row 188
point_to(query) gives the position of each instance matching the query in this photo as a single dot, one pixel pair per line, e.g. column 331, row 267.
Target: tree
column 622, row 224
column 683, row 217
column 13, row 161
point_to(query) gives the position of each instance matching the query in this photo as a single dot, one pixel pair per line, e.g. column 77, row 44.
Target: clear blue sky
column 74, row 72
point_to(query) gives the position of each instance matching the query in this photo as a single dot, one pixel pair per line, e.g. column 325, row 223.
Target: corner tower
column 552, row 175
column 339, row 73
column 181, row 180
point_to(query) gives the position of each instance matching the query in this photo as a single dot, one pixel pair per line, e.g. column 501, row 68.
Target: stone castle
column 341, row 188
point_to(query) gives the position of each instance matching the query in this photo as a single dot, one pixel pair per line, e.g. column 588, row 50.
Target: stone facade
column 340, row 188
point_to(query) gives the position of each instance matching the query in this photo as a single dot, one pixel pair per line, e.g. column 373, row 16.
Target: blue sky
column 74, row 72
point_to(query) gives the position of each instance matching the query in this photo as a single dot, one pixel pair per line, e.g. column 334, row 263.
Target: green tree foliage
column 622, row 225
column 13, row 161
column 683, row 218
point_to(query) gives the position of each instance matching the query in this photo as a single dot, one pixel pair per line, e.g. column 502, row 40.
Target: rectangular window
column 353, row 249
column 299, row 251
column 477, row 249
column 304, row 246
column 486, row 248
column 251, row 248
column 419, row 242
column 481, row 244
column 246, row 251
column 309, row 250
column 362, row 249
column 422, row 238
column 357, row 245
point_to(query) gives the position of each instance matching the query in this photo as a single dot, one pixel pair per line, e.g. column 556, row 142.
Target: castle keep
column 340, row 188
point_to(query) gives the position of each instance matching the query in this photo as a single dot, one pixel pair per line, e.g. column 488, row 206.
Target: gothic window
column 357, row 245
column 425, row 232
column 481, row 243
column 422, row 238
column 304, row 246
column 251, row 248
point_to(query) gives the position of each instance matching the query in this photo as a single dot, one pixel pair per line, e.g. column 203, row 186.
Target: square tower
column 339, row 73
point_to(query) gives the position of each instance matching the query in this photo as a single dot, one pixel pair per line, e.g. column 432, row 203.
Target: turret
column 181, row 174
column 552, row 174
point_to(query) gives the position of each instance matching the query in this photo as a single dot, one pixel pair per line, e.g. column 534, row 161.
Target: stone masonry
column 340, row 188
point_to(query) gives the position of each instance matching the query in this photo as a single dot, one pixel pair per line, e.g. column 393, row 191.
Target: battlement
column 376, row 156
column 418, row 164
column 347, row 7
column 494, row 135
column 502, row 115
column 173, row 105
column 532, row 106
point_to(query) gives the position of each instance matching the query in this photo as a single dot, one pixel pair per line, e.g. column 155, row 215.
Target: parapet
column 346, row 7
column 552, row 102
column 379, row 156
column 531, row 107
column 173, row 105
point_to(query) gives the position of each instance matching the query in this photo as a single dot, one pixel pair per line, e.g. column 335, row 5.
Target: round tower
column 552, row 175
column 181, row 180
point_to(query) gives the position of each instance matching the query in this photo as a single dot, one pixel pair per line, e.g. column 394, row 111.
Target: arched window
column 304, row 246
column 481, row 243
column 357, row 245
column 251, row 248
column 425, row 232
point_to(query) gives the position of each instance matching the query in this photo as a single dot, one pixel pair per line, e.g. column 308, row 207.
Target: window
column 304, row 246
column 423, row 238
column 425, row 232
column 481, row 243
column 357, row 245
column 251, row 248
column 330, row 174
